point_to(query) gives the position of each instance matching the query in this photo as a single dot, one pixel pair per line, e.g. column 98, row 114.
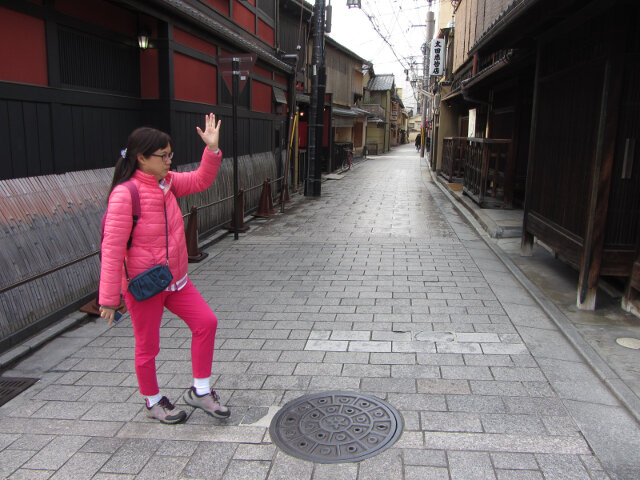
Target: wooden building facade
column 555, row 83
column 75, row 70
column 74, row 82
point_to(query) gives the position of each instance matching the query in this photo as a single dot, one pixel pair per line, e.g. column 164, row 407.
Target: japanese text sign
column 436, row 59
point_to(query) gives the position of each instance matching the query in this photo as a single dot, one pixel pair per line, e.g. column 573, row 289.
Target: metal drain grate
column 336, row 427
column 11, row 387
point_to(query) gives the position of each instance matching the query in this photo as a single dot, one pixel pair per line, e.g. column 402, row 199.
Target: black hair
column 144, row 140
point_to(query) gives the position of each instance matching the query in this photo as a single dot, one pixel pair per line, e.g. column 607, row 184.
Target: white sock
column 153, row 399
column 202, row 386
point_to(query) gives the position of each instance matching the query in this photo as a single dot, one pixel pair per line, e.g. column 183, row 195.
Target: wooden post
column 593, row 245
column 526, row 243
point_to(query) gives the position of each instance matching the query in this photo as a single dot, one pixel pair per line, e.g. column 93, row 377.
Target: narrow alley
column 377, row 287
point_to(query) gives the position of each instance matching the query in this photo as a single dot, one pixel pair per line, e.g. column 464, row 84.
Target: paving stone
column 24, row 442
column 343, row 471
column 505, row 443
column 442, row 386
column 519, row 475
column 347, row 357
column 439, row 359
column 488, row 360
column 82, row 466
column 458, row 348
column 324, row 368
column 209, row 461
column 511, row 389
column 255, row 452
column 470, row 466
column 517, row 424
column 62, row 392
column 413, row 346
column 62, row 410
column 466, row 373
column 417, row 402
column 165, row 467
column 56, row 453
column 360, row 370
column 514, row 461
column 387, row 464
column 11, row 460
column 424, row 473
column 565, row 467
column 287, row 468
column 393, row 358
column 327, row 345
column 427, row 458
column 450, row 422
column 266, row 368
column 400, row 385
column 102, row 445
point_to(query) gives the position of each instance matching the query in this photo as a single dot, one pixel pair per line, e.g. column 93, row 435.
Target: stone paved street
column 380, row 287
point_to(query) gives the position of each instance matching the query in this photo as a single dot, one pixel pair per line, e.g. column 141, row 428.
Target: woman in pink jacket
column 146, row 162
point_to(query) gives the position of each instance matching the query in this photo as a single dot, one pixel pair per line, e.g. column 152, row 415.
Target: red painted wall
column 280, row 79
column 266, row 33
column 263, row 72
column 261, row 97
column 244, row 17
column 194, row 81
column 149, row 81
column 25, row 61
column 220, row 5
column 99, row 12
column 303, row 131
column 194, row 42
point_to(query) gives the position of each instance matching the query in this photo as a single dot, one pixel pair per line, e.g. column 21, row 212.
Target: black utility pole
column 235, row 65
column 318, row 87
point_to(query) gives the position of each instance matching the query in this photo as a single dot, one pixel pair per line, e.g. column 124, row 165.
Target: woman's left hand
column 211, row 133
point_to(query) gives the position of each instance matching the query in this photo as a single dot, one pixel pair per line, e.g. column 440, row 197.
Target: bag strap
column 135, row 207
column 166, row 232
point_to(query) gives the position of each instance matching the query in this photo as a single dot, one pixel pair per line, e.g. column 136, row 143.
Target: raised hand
column 211, row 134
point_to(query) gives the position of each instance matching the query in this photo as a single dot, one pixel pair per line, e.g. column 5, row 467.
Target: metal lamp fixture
column 143, row 40
column 354, row 3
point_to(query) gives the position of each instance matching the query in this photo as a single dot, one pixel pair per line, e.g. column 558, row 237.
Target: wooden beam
column 526, row 243
column 600, row 184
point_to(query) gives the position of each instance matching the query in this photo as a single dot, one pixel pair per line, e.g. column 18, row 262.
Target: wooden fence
column 453, row 155
column 485, row 164
column 51, row 225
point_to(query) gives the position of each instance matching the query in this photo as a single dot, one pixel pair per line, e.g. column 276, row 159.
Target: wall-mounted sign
column 436, row 59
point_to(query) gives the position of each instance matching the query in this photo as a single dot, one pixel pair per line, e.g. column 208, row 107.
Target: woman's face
column 156, row 164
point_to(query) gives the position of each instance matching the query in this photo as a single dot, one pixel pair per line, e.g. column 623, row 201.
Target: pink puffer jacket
column 148, row 246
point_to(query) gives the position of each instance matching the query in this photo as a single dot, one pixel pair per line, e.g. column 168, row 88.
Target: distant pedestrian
column 157, row 239
column 418, row 141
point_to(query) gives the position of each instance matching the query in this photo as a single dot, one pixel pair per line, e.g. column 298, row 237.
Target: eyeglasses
column 166, row 157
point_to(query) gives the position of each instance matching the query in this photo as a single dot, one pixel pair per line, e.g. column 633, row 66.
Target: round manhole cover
column 633, row 343
column 335, row 427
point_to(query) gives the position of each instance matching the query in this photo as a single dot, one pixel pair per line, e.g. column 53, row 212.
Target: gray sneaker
column 166, row 412
column 209, row 402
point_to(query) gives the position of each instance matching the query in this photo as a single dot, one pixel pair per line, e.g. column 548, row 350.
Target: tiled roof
column 381, row 83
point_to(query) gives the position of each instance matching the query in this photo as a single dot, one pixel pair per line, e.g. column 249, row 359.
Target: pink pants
column 146, row 317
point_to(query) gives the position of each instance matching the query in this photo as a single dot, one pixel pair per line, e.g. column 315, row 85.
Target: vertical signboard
column 436, row 63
